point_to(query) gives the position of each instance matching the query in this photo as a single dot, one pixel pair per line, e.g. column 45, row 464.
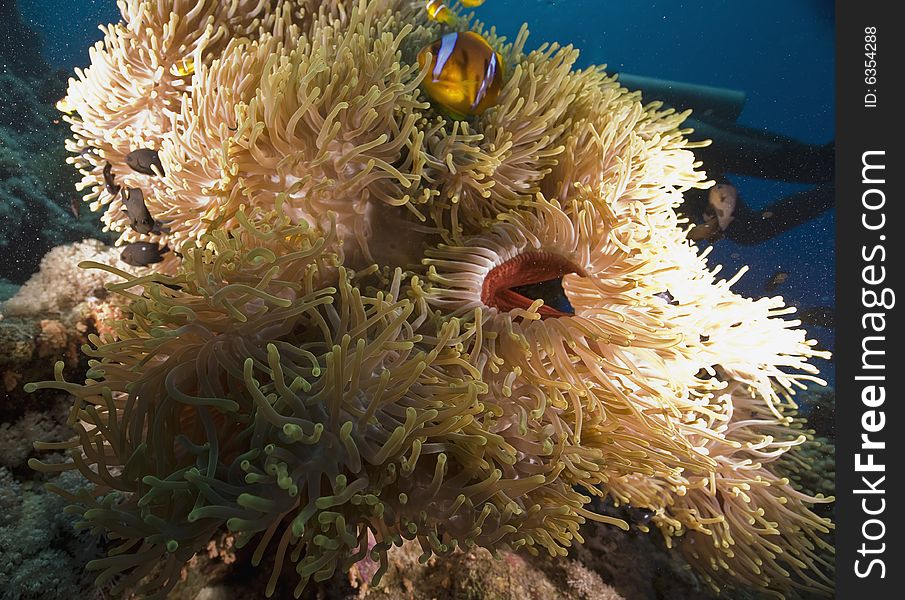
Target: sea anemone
column 744, row 521
column 245, row 392
column 583, row 365
column 126, row 98
column 385, row 323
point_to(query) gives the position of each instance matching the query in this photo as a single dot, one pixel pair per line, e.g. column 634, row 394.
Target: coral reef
column 59, row 285
column 37, row 424
column 382, row 325
column 50, row 317
column 36, row 186
column 28, row 343
column 475, row 575
column 43, row 553
column 635, row 566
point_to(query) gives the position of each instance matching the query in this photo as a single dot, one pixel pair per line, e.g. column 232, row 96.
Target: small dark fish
column 74, row 205
column 777, row 279
column 139, row 217
column 109, row 180
column 143, row 159
column 667, row 297
column 820, row 316
column 142, row 254
column 639, row 516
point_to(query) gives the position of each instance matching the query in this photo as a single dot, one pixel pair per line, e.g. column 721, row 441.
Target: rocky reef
column 42, row 551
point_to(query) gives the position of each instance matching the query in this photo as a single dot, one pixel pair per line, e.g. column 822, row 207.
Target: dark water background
column 779, row 52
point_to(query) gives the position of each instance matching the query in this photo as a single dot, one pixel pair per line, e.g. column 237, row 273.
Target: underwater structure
column 408, row 281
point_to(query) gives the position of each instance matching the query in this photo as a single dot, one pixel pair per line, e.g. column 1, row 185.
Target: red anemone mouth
column 499, row 287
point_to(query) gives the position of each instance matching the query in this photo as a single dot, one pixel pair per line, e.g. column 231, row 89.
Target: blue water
column 779, row 52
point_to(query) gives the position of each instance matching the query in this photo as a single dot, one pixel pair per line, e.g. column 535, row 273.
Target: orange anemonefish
column 439, row 12
column 466, row 74
column 184, row 67
column 64, row 107
column 471, row 3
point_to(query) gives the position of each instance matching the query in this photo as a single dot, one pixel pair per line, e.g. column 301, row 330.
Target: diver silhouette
column 720, row 212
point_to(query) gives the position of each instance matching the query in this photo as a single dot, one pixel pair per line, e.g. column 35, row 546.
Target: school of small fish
column 147, row 162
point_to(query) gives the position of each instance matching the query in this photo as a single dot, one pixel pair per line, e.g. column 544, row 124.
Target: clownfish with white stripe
column 438, row 11
column 466, row 74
